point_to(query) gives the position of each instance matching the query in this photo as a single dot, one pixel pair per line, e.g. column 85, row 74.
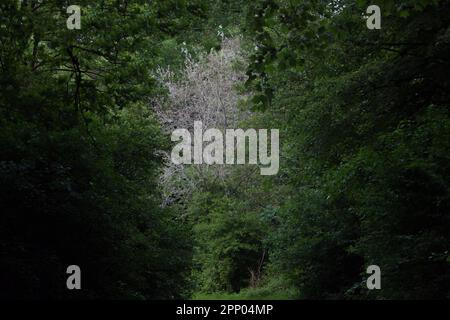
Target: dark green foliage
column 81, row 155
column 365, row 119
column 365, row 145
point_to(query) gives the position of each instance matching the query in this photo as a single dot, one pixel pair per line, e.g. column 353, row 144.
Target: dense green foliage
column 80, row 161
column 365, row 145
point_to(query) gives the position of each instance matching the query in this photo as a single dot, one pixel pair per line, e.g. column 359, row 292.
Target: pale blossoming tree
column 205, row 91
